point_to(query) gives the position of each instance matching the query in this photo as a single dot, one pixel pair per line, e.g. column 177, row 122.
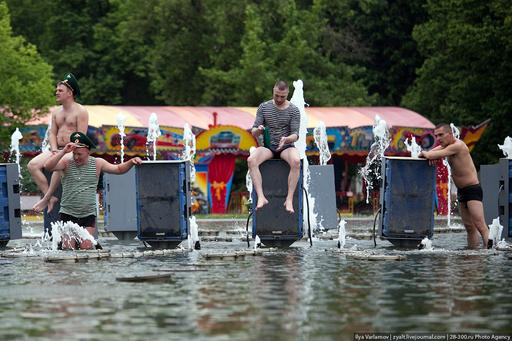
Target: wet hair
column 281, row 85
column 445, row 126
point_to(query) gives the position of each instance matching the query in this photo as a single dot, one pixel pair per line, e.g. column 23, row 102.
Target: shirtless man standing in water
column 465, row 178
column 66, row 119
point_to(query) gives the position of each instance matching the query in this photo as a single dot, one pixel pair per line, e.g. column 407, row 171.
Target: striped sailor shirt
column 280, row 123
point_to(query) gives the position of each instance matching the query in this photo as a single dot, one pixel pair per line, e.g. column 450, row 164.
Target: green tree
column 465, row 78
column 26, row 87
column 281, row 41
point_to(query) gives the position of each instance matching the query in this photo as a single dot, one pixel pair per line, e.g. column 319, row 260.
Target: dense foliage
column 449, row 60
column 26, row 87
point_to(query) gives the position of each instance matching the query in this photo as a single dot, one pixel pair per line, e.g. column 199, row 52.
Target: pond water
column 298, row 293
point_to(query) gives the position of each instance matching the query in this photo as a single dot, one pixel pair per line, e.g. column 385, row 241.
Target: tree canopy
column 26, row 86
column 446, row 59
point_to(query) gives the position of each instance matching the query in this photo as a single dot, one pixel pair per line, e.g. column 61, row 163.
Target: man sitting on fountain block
column 66, row 118
column 465, row 178
column 80, row 174
column 282, row 120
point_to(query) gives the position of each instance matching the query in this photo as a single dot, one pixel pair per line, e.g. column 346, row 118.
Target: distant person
column 282, row 119
column 66, row 118
column 464, row 176
column 80, row 174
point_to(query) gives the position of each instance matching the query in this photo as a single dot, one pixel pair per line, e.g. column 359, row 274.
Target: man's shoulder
column 293, row 107
column 78, row 108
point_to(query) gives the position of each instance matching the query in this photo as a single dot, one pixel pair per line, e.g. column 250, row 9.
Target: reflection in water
column 292, row 294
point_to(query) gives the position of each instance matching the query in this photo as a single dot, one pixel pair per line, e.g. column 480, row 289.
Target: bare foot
column 261, row 202
column 51, row 203
column 289, row 206
column 40, row 205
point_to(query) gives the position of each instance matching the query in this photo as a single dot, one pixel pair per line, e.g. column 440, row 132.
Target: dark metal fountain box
column 496, row 181
column 272, row 223
column 10, row 212
column 163, row 200
column 407, row 200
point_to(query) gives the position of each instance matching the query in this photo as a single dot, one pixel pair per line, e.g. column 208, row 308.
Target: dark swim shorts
column 473, row 192
column 276, row 154
column 89, row 221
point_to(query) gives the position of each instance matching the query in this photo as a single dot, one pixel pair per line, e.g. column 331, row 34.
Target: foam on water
column 153, row 132
column 375, row 154
column 120, row 125
column 413, row 147
column 321, row 142
column 506, row 147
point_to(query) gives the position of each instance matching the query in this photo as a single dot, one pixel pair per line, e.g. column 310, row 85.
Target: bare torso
column 463, row 170
column 65, row 121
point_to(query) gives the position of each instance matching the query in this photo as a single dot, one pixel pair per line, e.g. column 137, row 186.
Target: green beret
column 81, row 140
column 71, row 83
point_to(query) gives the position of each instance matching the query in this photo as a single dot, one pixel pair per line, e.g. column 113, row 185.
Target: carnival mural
column 218, row 147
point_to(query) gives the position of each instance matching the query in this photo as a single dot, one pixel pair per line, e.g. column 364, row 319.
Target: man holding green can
column 279, row 121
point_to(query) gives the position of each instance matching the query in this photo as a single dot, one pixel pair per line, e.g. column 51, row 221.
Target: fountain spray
column 153, row 132
column 120, row 125
column 380, row 144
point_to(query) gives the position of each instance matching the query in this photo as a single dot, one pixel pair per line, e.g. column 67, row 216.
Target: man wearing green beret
column 80, row 174
column 66, row 118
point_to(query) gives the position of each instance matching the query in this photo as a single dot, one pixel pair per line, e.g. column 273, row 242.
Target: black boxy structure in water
column 496, row 182
column 10, row 213
column 272, row 223
column 163, row 202
column 407, row 200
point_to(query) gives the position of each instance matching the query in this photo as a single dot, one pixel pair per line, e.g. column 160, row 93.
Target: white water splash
column 189, row 141
column 61, row 229
column 449, row 169
column 380, row 144
column 506, row 147
column 248, row 180
column 15, row 147
column 341, row 234
column 257, row 242
column 298, row 100
column 413, row 147
column 426, row 244
column 45, row 145
column 193, row 235
column 153, row 132
column 321, row 142
column 455, row 131
column 120, row 125
column 495, row 230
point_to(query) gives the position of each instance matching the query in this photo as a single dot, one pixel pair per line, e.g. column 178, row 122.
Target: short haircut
column 445, row 126
column 282, row 85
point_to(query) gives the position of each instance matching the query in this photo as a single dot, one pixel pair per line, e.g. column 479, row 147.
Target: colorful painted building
column 222, row 136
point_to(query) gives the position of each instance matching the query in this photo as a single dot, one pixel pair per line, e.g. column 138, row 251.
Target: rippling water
column 299, row 293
